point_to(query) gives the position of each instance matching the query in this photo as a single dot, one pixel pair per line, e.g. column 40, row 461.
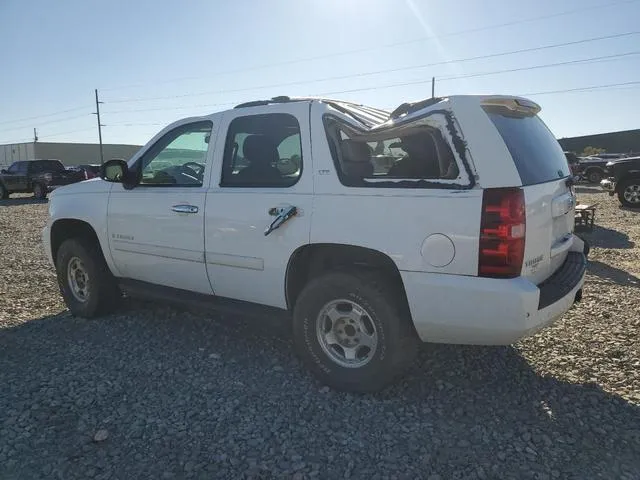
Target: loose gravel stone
column 185, row 394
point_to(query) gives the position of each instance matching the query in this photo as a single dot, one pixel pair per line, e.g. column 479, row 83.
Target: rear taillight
column 502, row 233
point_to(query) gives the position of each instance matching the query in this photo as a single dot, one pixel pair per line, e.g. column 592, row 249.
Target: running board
column 177, row 296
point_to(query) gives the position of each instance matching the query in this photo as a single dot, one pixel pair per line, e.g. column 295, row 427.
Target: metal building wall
column 79, row 153
column 14, row 152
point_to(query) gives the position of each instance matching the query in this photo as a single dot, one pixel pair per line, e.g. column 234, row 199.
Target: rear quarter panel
column 395, row 221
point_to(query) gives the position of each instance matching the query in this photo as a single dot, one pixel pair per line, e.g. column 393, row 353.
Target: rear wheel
column 353, row 331
column 39, row 192
column 594, row 176
column 629, row 193
column 85, row 282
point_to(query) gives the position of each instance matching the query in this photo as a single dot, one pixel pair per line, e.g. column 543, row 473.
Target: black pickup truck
column 624, row 179
column 37, row 176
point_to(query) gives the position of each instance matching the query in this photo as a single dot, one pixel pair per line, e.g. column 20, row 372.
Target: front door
column 156, row 230
column 266, row 172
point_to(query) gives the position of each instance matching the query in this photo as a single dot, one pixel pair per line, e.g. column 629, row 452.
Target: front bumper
column 46, row 243
column 484, row 311
column 608, row 185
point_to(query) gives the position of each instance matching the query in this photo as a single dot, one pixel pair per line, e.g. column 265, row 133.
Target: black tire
column 39, row 191
column 103, row 294
column 387, row 311
column 594, row 176
column 4, row 194
column 633, row 183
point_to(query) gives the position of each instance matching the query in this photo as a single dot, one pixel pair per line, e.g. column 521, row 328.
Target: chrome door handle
column 185, row 209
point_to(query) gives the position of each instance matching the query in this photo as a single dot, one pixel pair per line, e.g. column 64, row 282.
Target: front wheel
column 85, row 282
column 353, row 331
column 4, row 193
column 629, row 193
column 595, row 176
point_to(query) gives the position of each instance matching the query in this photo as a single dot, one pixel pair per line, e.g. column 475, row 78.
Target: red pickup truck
column 37, row 176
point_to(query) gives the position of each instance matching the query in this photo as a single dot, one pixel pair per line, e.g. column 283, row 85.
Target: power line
column 391, row 45
column 420, row 82
column 42, row 116
column 390, row 70
column 581, row 89
column 60, row 120
column 67, row 133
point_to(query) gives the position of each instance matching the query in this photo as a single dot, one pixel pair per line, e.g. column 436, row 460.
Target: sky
column 155, row 61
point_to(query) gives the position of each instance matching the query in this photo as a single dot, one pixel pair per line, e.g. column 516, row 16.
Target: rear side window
column 416, row 157
column 47, row 166
column 538, row 156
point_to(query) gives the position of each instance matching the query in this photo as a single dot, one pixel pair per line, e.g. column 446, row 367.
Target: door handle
column 185, row 209
column 282, row 214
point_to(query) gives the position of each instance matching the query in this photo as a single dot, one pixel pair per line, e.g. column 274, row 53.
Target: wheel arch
column 620, row 184
column 311, row 260
column 66, row 228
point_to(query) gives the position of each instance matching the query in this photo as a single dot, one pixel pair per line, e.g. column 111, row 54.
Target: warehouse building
column 67, row 153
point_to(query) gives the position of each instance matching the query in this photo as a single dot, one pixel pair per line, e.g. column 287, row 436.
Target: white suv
column 447, row 220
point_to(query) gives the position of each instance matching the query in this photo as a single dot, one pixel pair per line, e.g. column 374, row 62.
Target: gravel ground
column 155, row 392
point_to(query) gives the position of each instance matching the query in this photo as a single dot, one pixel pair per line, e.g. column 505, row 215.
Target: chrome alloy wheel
column 346, row 333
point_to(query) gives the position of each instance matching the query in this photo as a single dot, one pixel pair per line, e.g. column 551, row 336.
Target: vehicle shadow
column 458, row 410
column 613, row 274
column 603, row 237
column 12, row 202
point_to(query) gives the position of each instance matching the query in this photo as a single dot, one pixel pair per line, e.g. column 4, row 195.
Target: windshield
column 538, row 156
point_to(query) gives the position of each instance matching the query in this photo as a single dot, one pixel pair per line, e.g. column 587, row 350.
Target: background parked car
column 88, row 170
column 593, row 167
column 37, row 176
column 624, row 179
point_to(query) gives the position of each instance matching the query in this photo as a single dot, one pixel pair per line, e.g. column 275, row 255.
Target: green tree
column 592, row 151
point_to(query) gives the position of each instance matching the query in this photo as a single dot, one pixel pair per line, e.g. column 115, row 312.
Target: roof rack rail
column 407, row 108
column 258, row 103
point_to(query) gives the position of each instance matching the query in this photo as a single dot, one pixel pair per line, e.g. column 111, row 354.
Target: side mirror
column 114, row 170
column 4, row 170
column 117, row 171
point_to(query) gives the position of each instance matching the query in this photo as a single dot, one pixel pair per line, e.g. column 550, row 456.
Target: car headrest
column 355, row 152
column 260, row 149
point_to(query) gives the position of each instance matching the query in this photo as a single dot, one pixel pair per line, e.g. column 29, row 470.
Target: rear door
column 545, row 176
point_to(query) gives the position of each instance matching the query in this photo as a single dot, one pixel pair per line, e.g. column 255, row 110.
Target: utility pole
column 433, row 87
column 97, row 112
column 35, row 135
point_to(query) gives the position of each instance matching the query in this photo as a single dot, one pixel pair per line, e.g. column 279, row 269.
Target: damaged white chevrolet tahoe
column 448, row 220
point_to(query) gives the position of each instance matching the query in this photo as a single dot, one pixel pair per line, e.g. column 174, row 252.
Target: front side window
column 179, row 158
column 14, row 168
column 262, row 151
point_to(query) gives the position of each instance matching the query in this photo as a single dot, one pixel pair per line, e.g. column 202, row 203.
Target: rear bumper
column 483, row 311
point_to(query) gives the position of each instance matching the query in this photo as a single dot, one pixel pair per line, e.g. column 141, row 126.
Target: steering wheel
column 193, row 168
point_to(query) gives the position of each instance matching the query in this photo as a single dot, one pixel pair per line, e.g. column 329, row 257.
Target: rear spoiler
column 517, row 105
